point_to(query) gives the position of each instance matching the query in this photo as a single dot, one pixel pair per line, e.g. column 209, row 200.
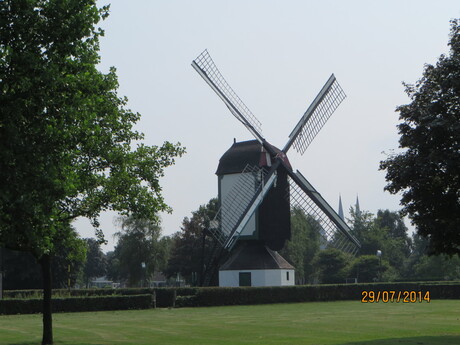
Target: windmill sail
column 317, row 114
column 206, row 67
column 334, row 231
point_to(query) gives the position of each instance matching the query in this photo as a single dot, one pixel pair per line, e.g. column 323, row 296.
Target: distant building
column 158, row 280
column 103, row 282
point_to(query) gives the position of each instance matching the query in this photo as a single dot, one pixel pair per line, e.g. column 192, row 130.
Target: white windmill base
column 254, row 264
column 256, row 278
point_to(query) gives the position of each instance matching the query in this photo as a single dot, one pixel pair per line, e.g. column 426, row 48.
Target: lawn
column 338, row 323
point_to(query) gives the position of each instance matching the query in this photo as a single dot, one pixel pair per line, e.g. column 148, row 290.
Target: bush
column 77, row 304
column 110, row 299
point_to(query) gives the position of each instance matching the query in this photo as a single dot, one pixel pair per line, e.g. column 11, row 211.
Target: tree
column 139, row 251
column 438, row 267
column 67, row 144
column 420, row 266
column 363, row 228
column 96, row 262
column 332, row 264
column 427, row 172
column 367, row 268
column 23, row 272
column 190, row 246
column 304, row 244
column 396, row 244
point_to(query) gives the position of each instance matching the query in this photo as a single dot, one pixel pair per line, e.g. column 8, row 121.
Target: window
column 245, row 279
column 287, row 275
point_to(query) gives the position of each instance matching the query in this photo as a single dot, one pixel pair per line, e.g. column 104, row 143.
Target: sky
column 276, row 55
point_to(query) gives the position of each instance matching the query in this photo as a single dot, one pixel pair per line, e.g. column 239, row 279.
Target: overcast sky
column 276, row 55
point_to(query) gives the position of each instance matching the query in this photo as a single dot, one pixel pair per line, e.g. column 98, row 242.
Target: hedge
column 313, row 293
column 109, row 299
column 94, row 292
column 77, row 304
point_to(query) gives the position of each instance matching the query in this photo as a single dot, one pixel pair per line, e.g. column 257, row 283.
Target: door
column 245, row 279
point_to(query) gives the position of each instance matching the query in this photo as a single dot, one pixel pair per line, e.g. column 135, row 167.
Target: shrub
column 77, row 304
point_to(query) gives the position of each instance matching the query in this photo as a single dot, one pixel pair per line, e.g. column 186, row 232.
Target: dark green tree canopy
column 190, row 246
column 140, row 251
column 96, row 262
column 304, row 244
column 427, row 172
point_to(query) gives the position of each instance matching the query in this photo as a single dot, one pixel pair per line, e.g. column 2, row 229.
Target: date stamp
column 393, row 296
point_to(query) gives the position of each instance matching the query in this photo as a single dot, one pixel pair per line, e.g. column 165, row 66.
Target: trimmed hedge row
column 94, row 292
column 108, row 299
column 77, row 304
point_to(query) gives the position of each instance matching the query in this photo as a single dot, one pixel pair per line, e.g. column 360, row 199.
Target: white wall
column 274, row 277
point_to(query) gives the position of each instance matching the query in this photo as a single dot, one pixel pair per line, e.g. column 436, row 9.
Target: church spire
column 341, row 208
column 357, row 209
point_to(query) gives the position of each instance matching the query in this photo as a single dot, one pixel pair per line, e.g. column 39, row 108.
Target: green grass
column 337, row 323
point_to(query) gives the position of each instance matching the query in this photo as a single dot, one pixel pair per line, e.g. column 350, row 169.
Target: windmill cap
column 240, row 154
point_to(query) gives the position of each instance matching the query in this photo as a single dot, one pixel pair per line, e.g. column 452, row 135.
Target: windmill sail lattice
column 332, row 228
column 317, row 114
column 206, row 67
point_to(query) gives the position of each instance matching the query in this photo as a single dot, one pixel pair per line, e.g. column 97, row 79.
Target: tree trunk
column 45, row 263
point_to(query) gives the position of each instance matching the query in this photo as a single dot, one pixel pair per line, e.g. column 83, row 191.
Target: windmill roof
column 240, row 154
column 253, row 255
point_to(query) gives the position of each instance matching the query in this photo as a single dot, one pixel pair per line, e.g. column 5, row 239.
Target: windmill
column 258, row 189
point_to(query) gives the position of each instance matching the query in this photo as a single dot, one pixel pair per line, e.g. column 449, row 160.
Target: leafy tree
column 304, row 244
column 23, row 272
column 187, row 253
column 396, row 244
column 363, row 227
column 367, row 268
column 393, row 222
column 427, row 172
column 385, row 232
column 438, row 267
column 140, row 251
column 68, row 260
column 332, row 264
column 96, row 262
column 420, row 266
column 113, row 266
column 67, row 144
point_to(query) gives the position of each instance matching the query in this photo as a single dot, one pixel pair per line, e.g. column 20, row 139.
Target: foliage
column 367, row 268
column 96, row 262
column 395, row 244
column 385, row 232
column 188, row 254
column 427, row 172
column 364, row 229
column 68, row 147
column 303, row 245
column 332, row 264
column 22, row 271
column 79, row 304
column 139, row 251
column 438, row 267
